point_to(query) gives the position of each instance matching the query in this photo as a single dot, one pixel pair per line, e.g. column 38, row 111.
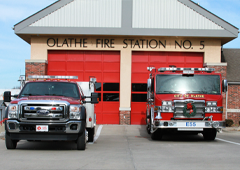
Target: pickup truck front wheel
column 81, row 140
column 10, row 144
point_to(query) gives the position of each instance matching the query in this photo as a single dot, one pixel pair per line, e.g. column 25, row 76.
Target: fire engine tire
column 148, row 123
column 10, row 144
column 209, row 134
column 148, row 129
column 157, row 135
column 91, row 132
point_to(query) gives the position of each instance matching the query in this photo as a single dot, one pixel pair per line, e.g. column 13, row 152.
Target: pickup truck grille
column 43, row 111
column 179, row 105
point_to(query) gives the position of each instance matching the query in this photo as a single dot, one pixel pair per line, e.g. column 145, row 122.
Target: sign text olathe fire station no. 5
column 127, row 43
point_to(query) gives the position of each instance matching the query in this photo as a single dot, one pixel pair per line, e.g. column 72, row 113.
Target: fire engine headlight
column 12, row 111
column 212, row 103
column 164, row 103
column 167, row 106
column 75, row 111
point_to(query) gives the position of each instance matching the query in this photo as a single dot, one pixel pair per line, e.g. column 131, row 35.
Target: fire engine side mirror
column 149, row 84
column 224, row 85
column 7, row 96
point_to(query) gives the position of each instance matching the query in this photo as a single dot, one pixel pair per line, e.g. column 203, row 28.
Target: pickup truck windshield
column 50, row 89
column 199, row 84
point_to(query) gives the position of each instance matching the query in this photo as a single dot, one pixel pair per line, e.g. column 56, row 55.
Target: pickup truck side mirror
column 94, row 98
column 7, row 96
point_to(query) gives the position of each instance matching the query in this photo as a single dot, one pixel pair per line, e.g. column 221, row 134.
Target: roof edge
column 231, row 28
column 40, row 14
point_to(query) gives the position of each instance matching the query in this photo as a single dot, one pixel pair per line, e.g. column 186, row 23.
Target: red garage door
column 140, row 62
column 103, row 65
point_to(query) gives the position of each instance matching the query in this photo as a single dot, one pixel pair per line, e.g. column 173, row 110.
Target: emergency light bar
column 162, row 69
column 150, row 68
column 52, row 77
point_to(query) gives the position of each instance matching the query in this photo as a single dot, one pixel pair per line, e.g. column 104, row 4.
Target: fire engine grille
column 180, row 104
column 44, row 112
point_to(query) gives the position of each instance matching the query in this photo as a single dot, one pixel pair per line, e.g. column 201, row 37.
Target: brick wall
column 124, row 117
column 223, row 71
column 234, row 103
column 35, row 68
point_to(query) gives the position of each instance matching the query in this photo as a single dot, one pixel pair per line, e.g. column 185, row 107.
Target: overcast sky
column 14, row 51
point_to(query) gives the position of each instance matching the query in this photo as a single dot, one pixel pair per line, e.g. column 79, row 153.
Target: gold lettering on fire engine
column 197, row 95
column 187, row 96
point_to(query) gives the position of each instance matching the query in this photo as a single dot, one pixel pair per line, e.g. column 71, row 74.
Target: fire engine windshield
column 200, row 84
column 50, row 89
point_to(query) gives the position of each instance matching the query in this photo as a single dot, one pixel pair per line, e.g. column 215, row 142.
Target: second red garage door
column 140, row 62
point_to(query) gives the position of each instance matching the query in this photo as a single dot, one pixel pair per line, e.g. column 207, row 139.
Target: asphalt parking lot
column 127, row 147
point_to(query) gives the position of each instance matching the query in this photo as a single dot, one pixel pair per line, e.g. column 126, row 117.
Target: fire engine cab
column 51, row 108
column 184, row 100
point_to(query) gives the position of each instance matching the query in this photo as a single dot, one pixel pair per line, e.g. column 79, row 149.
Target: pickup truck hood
column 62, row 98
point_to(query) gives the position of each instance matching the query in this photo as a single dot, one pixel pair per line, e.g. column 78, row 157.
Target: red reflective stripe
column 3, row 120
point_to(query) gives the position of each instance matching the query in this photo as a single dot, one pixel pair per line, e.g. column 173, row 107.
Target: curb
column 231, row 129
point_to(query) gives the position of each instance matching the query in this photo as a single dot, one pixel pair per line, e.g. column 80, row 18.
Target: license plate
column 41, row 128
column 190, row 124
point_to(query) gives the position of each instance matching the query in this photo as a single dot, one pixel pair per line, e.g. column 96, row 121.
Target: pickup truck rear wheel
column 209, row 134
column 91, row 132
column 10, row 144
column 157, row 135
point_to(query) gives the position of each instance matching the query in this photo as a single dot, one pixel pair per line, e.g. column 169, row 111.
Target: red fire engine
column 185, row 100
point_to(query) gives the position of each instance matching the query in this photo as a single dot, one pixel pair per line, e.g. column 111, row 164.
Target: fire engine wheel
column 209, row 134
column 148, row 128
column 148, row 122
column 157, row 135
column 10, row 144
column 91, row 132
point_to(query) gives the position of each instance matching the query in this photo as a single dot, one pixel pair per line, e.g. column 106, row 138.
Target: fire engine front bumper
column 54, row 131
column 184, row 125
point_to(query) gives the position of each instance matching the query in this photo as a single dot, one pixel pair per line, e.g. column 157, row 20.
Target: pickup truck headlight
column 12, row 111
column 75, row 111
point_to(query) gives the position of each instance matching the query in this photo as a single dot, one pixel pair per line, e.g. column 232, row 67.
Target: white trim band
column 216, row 64
column 36, row 61
column 233, row 110
column 124, row 108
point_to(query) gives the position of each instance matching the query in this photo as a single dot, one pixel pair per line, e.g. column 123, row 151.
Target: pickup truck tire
column 157, row 135
column 209, row 134
column 91, row 132
column 81, row 142
column 10, row 144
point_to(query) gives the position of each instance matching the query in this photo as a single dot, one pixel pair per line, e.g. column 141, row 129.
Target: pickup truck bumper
column 184, row 125
column 55, row 131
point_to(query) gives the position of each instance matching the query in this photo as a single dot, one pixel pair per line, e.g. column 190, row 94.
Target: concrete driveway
column 127, row 147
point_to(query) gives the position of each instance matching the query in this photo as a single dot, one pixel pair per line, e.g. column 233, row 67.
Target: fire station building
column 116, row 40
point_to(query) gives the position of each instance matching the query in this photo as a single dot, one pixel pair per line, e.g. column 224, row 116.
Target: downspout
column 226, row 101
